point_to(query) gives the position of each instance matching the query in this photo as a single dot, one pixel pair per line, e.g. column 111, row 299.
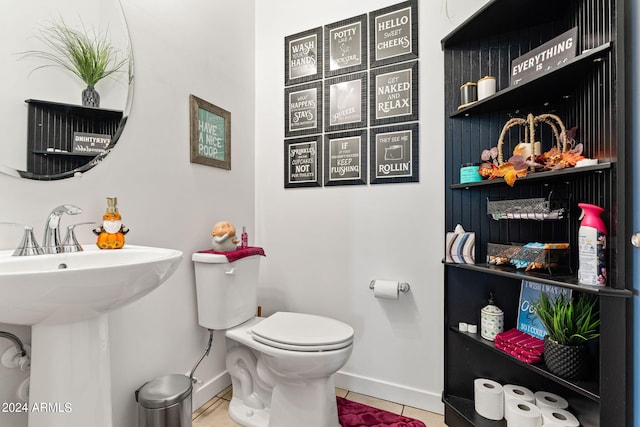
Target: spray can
column 592, row 244
column 244, row 242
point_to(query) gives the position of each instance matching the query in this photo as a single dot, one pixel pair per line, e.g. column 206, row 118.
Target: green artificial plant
column 569, row 321
column 89, row 56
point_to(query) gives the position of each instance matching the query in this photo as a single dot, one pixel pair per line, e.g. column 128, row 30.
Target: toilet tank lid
column 303, row 329
column 217, row 258
column 209, row 258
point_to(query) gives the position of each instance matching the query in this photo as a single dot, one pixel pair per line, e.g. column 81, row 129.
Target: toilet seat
column 302, row 332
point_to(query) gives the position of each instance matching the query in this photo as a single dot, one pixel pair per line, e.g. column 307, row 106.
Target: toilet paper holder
column 402, row 286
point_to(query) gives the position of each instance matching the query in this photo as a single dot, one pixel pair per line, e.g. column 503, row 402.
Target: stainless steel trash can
column 165, row 402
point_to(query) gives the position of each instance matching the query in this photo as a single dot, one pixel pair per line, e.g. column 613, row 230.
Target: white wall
column 189, row 47
column 324, row 245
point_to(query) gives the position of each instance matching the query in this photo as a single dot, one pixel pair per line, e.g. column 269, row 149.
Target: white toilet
column 281, row 366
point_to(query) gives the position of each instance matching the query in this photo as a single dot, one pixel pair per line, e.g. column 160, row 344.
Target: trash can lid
column 164, row 391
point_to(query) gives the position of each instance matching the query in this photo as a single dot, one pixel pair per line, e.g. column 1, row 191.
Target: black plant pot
column 90, row 97
column 566, row 361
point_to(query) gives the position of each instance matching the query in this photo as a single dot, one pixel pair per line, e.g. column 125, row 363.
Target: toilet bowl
column 281, row 366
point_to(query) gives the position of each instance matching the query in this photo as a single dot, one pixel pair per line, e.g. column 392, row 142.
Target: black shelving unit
column 588, row 91
column 50, row 129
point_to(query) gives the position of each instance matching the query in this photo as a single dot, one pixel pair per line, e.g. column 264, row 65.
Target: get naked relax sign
column 393, row 96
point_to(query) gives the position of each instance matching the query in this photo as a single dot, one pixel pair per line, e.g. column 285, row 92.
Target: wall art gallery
column 351, row 101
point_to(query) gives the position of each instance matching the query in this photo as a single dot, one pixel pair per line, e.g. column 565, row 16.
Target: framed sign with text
column 539, row 61
column 394, row 154
column 345, row 46
column 394, row 94
column 345, row 158
column 303, row 109
column 303, row 162
column 393, row 34
column 90, row 143
column 303, row 57
column 210, row 134
column 345, row 102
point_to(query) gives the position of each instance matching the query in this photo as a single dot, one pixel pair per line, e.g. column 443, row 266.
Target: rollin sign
column 542, row 59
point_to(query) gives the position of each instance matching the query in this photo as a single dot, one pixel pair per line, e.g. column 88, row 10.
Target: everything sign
column 544, row 58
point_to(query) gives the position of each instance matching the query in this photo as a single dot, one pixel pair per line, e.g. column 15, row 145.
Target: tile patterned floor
column 214, row 413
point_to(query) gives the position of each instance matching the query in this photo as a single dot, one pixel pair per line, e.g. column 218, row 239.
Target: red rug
column 353, row 414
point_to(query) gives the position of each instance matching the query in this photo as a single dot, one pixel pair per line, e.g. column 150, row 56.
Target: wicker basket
column 530, row 123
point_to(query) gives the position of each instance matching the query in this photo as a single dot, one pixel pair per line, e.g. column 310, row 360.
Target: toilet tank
column 227, row 293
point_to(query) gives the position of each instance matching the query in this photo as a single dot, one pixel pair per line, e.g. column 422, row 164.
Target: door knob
column 635, row 239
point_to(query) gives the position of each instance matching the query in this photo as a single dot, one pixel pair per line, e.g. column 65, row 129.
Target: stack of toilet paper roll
column 520, row 407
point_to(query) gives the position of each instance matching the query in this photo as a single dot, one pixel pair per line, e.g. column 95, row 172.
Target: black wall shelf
column 588, row 389
column 59, row 153
column 501, row 17
column 588, row 92
column 545, row 176
column 566, row 281
column 552, row 86
column 51, row 125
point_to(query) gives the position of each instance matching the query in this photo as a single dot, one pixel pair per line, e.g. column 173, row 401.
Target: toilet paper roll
column 512, row 391
column 558, row 417
column 523, row 414
column 385, row 289
column 489, row 400
column 544, row 398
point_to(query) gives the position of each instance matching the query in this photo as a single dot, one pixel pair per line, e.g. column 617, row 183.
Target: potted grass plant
column 570, row 324
column 88, row 55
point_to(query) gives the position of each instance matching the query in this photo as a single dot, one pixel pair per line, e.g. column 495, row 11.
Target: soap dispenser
column 491, row 320
column 111, row 232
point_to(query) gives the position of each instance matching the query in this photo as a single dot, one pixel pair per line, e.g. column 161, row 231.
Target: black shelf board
column 589, row 389
column 539, row 176
column 557, row 83
column 63, row 153
column 62, row 105
column 565, row 281
column 500, row 16
column 466, row 409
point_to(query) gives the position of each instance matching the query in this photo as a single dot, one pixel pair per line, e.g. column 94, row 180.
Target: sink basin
column 66, row 298
column 68, row 287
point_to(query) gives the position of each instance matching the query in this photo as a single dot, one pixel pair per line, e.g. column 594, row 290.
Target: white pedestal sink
column 66, row 298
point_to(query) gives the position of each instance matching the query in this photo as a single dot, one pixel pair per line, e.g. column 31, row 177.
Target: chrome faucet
column 51, row 242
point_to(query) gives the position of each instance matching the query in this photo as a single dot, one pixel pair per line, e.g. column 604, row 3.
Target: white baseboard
column 202, row 393
column 422, row 399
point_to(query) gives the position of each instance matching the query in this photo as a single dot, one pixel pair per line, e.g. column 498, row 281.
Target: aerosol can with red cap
column 592, row 245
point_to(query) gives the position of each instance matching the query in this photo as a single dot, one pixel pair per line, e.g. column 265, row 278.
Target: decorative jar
column 491, row 321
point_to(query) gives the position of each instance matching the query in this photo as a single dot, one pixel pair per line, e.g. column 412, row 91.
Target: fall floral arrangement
column 526, row 156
